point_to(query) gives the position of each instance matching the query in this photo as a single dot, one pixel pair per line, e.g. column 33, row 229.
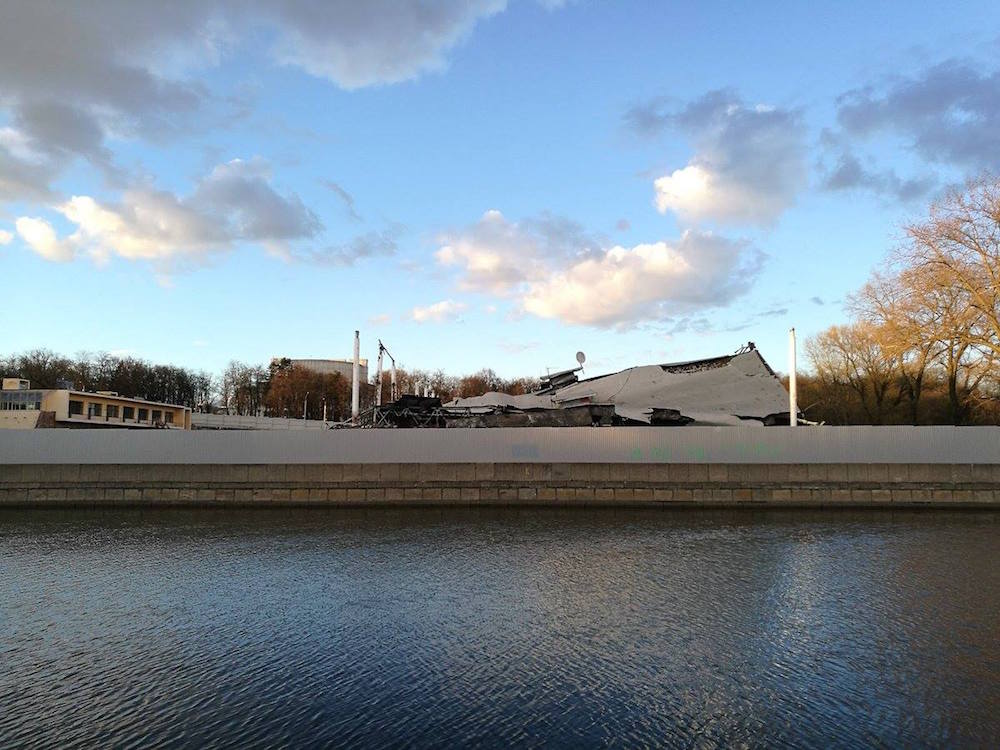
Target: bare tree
column 959, row 247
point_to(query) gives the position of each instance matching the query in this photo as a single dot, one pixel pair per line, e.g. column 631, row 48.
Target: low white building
column 25, row 408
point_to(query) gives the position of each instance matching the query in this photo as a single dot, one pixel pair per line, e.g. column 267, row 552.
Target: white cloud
column 5, row 237
column 749, row 162
column 497, row 256
column 491, row 255
column 146, row 225
column 689, row 192
column 646, row 282
column 439, row 312
column 235, row 202
column 604, row 286
column 42, row 238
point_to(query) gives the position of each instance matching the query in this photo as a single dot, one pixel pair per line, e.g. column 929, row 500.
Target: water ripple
column 523, row 628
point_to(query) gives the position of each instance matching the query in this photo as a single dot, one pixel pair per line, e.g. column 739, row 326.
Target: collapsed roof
column 727, row 390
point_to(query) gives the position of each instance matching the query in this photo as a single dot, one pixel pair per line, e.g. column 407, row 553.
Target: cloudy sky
column 478, row 182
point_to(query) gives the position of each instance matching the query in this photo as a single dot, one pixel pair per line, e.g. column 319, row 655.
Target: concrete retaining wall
column 615, row 484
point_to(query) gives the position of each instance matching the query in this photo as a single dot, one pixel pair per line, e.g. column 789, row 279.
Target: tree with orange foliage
column 853, row 357
column 294, row 388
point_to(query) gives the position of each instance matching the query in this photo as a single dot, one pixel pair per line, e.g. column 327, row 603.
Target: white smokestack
column 356, row 379
column 793, row 396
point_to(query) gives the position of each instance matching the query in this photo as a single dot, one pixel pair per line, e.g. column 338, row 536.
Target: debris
column 728, row 390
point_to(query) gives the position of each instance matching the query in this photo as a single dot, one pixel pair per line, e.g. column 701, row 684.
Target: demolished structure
column 734, row 389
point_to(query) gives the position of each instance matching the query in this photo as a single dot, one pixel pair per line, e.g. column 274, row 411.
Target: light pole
column 305, row 403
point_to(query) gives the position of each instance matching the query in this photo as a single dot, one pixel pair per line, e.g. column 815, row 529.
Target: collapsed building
column 734, row 389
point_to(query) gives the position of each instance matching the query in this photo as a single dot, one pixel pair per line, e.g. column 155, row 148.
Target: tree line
column 279, row 389
column 128, row 376
column 923, row 345
column 286, row 390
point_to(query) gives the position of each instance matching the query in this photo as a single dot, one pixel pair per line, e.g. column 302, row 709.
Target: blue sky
column 477, row 183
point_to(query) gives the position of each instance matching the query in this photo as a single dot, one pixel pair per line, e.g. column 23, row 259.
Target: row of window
column 110, row 411
column 20, row 400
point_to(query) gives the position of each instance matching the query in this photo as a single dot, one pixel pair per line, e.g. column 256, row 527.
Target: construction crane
column 393, row 392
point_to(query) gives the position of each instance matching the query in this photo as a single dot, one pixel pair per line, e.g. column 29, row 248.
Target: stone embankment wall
column 532, row 483
column 774, row 466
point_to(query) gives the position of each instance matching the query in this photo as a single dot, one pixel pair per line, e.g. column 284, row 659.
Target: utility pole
column 793, row 396
column 305, row 404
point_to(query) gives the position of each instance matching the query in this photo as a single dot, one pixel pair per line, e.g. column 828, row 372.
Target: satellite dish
column 581, row 358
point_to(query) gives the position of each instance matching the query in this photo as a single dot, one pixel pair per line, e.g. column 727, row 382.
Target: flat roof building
column 25, row 408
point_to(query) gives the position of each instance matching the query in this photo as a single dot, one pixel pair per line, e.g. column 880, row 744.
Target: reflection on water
column 521, row 627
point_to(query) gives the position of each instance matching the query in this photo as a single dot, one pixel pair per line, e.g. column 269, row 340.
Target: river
column 498, row 628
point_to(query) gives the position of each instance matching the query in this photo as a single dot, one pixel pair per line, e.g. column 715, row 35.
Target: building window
column 112, row 411
column 143, row 415
column 95, row 410
column 128, row 412
column 157, row 415
column 168, row 417
column 75, row 407
column 20, row 400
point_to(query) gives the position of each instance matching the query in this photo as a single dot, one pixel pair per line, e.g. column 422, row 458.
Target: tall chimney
column 356, row 380
column 793, row 396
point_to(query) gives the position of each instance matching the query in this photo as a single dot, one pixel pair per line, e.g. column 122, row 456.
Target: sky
column 476, row 183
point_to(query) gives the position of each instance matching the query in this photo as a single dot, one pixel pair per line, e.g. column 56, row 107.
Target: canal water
column 557, row 628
